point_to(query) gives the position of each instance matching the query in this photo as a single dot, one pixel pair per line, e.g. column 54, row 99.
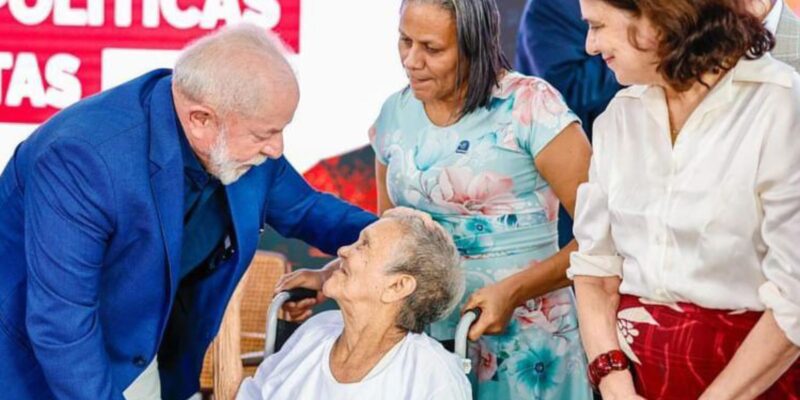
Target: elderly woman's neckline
column 350, row 364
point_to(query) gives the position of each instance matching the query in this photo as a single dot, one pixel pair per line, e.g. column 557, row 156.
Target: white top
column 416, row 368
column 714, row 221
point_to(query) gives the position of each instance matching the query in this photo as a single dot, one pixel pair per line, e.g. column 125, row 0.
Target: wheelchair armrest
column 252, row 359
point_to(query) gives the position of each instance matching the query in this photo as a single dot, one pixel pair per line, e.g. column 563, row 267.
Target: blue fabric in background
column 551, row 44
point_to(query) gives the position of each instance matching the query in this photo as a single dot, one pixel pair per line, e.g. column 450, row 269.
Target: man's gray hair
column 218, row 69
column 431, row 257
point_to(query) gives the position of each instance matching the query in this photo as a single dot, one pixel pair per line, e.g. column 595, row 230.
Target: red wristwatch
column 614, row 360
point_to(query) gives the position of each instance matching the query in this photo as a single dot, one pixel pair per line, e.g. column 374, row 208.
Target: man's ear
column 399, row 286
column 203, row 122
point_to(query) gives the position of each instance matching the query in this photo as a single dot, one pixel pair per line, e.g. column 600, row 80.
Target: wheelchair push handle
column 295, row 294
column 298, row 294
column 461, row 337
column 477, row 311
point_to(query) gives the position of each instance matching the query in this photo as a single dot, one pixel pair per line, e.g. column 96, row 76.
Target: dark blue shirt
column 206, row 218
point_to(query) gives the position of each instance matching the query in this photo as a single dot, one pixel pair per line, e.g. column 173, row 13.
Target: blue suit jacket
column 91, row 219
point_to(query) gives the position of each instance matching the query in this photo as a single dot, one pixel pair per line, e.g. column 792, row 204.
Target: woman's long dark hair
column 481, row 57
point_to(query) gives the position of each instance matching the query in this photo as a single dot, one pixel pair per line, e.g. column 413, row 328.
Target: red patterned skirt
column 676, row 354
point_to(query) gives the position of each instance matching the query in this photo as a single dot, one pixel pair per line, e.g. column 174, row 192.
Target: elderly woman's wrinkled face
column 429, row 51
column 609, row 36
column 361, row 276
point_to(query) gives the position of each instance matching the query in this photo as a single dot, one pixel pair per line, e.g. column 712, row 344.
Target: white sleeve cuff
column 787, row 314
column 594, row 265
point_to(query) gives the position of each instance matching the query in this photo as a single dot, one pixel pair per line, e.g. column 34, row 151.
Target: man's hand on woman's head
column 398, row 212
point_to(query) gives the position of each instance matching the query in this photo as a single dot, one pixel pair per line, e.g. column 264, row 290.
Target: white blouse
column 714, row 220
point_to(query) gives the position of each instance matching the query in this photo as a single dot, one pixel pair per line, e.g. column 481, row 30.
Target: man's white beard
column 223, row 167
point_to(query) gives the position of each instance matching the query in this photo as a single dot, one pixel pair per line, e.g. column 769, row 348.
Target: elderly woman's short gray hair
column 215, row 70
column 431, row 257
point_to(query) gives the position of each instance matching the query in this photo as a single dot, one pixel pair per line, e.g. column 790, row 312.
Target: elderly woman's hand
column 309, row 279
column 497, row 304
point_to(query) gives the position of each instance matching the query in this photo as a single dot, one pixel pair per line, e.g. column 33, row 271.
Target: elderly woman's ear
column 399, row 286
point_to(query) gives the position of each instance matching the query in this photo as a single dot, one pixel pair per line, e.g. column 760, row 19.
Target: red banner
column 50, row 50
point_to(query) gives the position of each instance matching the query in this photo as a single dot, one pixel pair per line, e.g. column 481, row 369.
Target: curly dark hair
column 697, row 37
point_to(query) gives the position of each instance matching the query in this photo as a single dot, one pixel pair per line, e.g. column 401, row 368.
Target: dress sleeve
column 551, row 44
column 778, row 187
column 542, row 113
column 597, row 253
column 379, row 130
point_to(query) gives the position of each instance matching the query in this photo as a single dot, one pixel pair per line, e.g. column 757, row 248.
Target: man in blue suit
column 551, row 44
column 127, row 220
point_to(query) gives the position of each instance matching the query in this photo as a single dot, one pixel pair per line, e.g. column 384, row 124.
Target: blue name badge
column 463, row 147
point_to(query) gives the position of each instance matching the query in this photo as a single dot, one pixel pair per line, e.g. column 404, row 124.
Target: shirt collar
column 191, row 165
column 774, row 16
column 761, row 70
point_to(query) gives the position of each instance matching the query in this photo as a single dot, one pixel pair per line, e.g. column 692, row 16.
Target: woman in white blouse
column 688, row 268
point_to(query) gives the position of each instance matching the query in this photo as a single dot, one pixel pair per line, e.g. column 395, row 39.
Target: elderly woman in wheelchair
column 402, row 274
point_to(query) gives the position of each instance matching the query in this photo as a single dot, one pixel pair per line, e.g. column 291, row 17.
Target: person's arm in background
column 69, row 218
column 551, row 45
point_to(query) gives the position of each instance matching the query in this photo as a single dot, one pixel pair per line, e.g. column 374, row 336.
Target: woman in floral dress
column 489, row 153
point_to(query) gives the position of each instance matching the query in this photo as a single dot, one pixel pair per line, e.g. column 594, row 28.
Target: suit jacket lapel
column 166, row 174
column 245, row 200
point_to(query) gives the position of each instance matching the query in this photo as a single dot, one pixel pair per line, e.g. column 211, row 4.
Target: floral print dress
column 477, row 178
